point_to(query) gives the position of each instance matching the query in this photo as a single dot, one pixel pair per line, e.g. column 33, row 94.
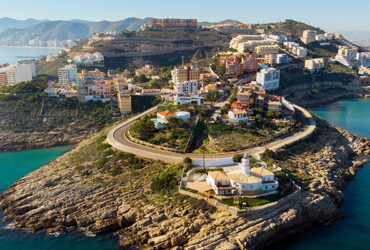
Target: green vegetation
column 237, row 157
column 228, row 137
column 166, row 181
column 316, row 50
column 34, row 86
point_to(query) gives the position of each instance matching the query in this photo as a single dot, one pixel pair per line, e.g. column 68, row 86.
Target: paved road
column 116, row 137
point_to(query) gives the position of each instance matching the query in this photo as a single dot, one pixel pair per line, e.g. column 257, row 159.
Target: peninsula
column 215, row 152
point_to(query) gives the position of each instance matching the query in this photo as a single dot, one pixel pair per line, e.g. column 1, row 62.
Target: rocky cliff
column 98, row 190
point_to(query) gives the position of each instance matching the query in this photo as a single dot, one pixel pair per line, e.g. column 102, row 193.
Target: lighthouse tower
column 244, row 165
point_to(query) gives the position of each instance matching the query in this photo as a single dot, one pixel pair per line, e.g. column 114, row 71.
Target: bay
column 9, row 54
column 353, row 231
column 15, row 165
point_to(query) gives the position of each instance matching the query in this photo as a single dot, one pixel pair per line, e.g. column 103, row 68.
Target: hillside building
column 67, row 76
column 268, row 78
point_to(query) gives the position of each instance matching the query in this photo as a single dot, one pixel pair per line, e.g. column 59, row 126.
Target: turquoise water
column 9, row 55
column 353, row 231
column 14, row 166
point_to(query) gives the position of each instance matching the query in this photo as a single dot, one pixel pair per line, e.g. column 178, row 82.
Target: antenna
column 182, row 58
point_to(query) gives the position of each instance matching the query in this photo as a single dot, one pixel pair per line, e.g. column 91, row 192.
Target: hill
column 62, row 30
column 10, row 23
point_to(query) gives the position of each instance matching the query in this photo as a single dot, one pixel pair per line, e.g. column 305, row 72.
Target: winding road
column 117, row 139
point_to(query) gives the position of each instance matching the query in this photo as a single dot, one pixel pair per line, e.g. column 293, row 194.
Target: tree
column 237, row 157
column 272, row 114
column 142, row 78
column 118, row 71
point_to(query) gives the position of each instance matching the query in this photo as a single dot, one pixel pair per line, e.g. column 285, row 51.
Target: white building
column 164, row 116
column 281, row 58
column 234, row 43
column 242, row 180
column 190, row 87
column 296, row 49
column 308, row 36
column 346, row 56
column 324, row 37
column 89, row 59
column 363, row 59
column 19, row 73
column 236, row 116
column 268, row 78
column 314, row 64
column 67, row 76
column 186, row 98
column 30, row 64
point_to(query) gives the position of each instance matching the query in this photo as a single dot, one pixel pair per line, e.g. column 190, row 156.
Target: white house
column 164, row 116
column 220, row 182
column 236, row 116
column 243, row 180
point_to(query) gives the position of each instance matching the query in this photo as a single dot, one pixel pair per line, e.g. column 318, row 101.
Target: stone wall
column 243, row 212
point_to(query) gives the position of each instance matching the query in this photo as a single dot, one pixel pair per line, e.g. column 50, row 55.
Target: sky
column 331, row 15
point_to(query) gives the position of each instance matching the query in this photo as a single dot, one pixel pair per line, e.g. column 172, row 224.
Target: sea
column 12, row 55
column 351, row 232
column 15, row 165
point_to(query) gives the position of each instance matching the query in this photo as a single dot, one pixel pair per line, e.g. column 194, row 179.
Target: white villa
column 236, row 116
column 242, row 180
column 164, row 116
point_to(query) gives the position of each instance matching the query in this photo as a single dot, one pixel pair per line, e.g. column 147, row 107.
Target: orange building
column 249, row 63
column 233, row 69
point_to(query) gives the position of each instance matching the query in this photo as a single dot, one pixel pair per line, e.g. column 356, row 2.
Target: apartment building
column 31, row 64
column 190, row 87
column 250, row 45
column 266, row 49
column 123, row 98
column 67, row 76
column 189, row 73
column 18, row 73
column 268, row 78
column 314, row 64
column 233, row 69
column 363, row 59
column 174, row 22
column 308, row 36
column 249, row 63
column 234, row 43
column 181, row 98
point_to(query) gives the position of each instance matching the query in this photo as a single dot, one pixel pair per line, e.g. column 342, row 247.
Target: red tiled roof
column 166, row 113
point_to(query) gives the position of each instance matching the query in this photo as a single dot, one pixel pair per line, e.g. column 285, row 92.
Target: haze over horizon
column 331, row 15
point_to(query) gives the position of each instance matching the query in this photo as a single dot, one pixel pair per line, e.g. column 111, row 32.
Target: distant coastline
column 30, row 47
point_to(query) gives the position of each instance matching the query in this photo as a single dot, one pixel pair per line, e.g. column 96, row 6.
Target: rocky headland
column 97, row 190
column 11, row 141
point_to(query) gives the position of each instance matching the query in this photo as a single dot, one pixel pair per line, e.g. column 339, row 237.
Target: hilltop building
column 174, row 23
column 308, row 36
